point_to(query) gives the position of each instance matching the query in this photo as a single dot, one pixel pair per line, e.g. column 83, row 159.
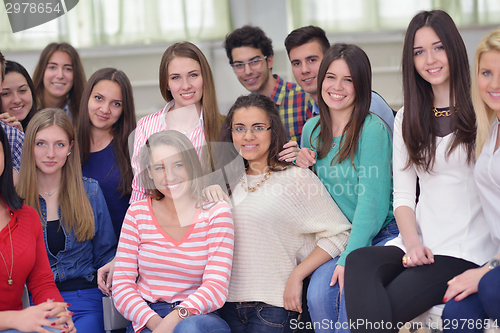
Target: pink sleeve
column 138, row 192
column 126, row 297
column 212, row 293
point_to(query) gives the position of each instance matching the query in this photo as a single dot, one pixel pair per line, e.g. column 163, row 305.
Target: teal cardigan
column 362, row 192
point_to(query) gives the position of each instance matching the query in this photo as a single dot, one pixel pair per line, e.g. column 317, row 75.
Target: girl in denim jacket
column 78, row 232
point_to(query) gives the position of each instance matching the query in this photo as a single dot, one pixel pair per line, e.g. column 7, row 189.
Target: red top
column 31, row 265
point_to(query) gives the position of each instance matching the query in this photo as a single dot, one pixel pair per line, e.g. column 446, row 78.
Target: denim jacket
column 82, row 259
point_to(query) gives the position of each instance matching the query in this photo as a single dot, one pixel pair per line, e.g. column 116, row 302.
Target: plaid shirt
column 16, row 141
column 294, row 105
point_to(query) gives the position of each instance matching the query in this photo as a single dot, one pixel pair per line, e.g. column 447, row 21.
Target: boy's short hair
column 248, row 36
column 304, row 35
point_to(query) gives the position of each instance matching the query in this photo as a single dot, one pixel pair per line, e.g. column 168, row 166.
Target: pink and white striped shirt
column 151, row 266
column 148, row 126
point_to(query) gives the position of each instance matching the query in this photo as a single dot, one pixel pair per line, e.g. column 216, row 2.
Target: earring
column 69, row 153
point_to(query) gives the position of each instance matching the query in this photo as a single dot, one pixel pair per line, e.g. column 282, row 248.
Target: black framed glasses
column 240, row 130
column 253, row 64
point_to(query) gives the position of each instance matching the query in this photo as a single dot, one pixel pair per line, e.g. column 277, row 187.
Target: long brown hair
column 120, row 130
column 419, row 123
column 361, row 74
column 76, row 211
column 211, row 115
column 79, row 79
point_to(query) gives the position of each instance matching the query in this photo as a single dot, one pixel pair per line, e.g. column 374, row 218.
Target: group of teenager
column 212, row 223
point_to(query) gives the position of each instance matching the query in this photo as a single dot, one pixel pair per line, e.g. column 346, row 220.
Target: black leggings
column 379, row 289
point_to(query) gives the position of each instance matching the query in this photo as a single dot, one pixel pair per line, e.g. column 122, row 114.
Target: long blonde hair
column 76, row 212
column 484, row 114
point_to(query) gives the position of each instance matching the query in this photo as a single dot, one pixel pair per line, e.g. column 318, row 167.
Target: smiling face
column 17, row 99
column 254, row 147
column 168, row 172
column 429, row 57
column 51, row 149
column 305, row 60
column 337, row 89
column 185, row 82
column 254, row 80
column 105, row 104
column 58, row 76
column 488, row 79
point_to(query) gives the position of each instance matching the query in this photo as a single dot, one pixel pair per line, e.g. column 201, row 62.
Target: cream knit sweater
column 278, row 226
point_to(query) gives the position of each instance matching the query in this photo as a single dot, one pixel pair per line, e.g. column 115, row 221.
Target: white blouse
column 450, row 220
column 487, row 175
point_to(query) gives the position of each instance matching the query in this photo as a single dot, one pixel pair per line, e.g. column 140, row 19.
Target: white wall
column 141, row 62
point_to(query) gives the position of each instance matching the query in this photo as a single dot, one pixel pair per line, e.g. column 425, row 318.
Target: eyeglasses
column 255, row 130
column 253, row 64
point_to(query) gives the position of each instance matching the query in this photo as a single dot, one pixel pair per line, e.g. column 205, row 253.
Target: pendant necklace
column 9, row 281
column 50, row 193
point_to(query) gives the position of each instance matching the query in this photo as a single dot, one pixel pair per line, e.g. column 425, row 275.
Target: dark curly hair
column 248, row 36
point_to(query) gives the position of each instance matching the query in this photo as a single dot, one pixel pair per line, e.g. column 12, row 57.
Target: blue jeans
column 87, row 306
column 476, row 307
column 326, row 304
column 258, row 317
column 205, row 323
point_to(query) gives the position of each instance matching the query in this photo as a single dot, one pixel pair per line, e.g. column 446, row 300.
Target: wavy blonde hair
column 76, row 211
column 484, row 114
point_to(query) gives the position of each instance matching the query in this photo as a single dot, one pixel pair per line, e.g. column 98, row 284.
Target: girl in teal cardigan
column 351, row 151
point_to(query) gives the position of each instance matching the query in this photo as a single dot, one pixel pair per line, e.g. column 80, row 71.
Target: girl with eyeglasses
column 286, row 223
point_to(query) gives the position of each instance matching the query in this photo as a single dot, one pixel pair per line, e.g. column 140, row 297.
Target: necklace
column 50, row 193
column 443, row 113
column 259, row 184
column 185, row 130
column 9, row 281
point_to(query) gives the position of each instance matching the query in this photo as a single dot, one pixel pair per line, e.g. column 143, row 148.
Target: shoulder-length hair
column 189, row 158
column 419, row 123
column 76, row 212
column 278, row 133
column 211, row 115
column 15, row 67
column 484, row 114
column 120, row 130
column 7, row 190
column 79, row 79
column 361, row 73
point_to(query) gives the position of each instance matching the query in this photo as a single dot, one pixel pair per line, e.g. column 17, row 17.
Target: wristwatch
column 183, row 312
column 493, row 263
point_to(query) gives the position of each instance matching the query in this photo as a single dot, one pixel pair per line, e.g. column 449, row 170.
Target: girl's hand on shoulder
column 305, row 158
column 105, row 277
column 465, row 284
column 11, row 121
column 418, row 256
column 289, row 152
column 292, row 296
column 214, row 193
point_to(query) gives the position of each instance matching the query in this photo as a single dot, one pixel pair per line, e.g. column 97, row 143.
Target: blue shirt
column 82, row 259
column 103, row 167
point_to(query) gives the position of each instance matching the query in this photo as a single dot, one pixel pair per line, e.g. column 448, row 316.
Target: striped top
column 148, row 126
column 151, row 266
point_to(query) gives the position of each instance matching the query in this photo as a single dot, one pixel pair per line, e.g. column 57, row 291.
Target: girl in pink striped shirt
column 174, row 258
column 187, row 84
